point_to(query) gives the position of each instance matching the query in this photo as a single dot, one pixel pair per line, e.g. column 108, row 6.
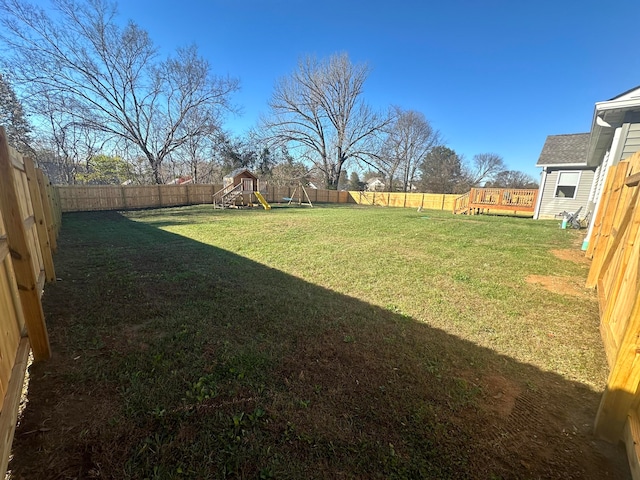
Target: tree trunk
column 155, row 168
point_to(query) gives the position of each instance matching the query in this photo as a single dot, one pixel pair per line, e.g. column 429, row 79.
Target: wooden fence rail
column 29, row 222
column 615, row 250
column 75, row 198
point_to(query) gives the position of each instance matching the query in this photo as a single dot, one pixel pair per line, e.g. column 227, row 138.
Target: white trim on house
column 596, row 179
column 616, row 104
column 604, row 171
column 543, row 179
column 560, row 165
column 575, row 191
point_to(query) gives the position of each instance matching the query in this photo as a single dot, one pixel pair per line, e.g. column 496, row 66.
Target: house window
column 567, row 184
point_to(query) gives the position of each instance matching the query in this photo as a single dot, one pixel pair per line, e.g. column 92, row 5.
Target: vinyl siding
column 632, row 141
column 551, row 206
column 601, row 176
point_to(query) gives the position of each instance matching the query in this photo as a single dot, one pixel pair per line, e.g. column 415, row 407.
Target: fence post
column 21, row 256
column 47, row 208
column 123, row 196
column 38, row 213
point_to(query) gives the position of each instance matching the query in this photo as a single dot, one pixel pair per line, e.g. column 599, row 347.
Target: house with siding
column 375, row 185
column 567, row 180
column 575, row 164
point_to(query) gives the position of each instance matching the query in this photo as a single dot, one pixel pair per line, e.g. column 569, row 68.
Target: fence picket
column 115, row 197
column 614, row 271
column 29, row 222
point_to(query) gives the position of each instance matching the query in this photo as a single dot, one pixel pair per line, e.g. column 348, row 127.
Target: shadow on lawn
column 175, row 359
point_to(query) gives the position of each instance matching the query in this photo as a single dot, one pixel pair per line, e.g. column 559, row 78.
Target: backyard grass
column 342, row 342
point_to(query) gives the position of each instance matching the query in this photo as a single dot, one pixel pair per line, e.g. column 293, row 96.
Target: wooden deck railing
column 461, row 204
column 497, row 200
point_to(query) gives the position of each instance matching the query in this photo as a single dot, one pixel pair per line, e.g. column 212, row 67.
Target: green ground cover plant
column 333, row 342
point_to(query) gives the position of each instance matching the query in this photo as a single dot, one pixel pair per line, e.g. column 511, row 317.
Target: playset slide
column 262, row 200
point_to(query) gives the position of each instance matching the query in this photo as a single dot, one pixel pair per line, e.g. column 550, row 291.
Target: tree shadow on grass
column 176, row 359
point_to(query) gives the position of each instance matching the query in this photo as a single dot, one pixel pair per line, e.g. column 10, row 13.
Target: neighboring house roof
column 565, row 150
column 374, row 181
column 180, row 181
column 237, row 172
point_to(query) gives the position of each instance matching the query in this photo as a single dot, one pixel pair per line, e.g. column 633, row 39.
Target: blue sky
column 492, row 76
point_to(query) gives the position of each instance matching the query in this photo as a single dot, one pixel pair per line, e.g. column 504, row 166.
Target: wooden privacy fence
column 29, row 223
column 615, row 250
column 75, row 198
column 497, row 200
column 430, row 201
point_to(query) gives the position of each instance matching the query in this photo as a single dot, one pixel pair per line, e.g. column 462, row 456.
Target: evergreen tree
column 354, row 182
column 441, row 171
column 13, row 118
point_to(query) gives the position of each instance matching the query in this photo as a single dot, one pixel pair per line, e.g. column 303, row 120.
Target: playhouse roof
column 237, row 172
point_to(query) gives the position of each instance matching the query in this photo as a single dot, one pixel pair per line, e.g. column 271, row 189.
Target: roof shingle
column 564, row 150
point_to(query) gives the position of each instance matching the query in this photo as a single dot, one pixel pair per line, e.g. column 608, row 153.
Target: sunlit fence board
column 23, row 242
column 615, row 272
column 429, row 201
column 11, row 315
column 29, row 221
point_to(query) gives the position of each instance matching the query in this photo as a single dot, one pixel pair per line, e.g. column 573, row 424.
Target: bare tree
column 484, row 167
column 197, row 153
column 65, row 147
column 409, row 139
column 109, row 78
column 319, row 110
column 513, row 179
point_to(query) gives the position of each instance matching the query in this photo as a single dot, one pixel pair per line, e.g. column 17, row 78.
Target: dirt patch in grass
column 572, row 255
column 500, row 394
column 571, row 286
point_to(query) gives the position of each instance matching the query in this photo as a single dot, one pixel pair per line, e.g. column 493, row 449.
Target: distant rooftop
column 570, row 149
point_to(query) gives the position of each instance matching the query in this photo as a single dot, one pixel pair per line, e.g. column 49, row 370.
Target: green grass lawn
column 335, row 342
column 465, row 275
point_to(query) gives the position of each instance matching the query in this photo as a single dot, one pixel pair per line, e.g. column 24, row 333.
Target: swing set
column 302, row 194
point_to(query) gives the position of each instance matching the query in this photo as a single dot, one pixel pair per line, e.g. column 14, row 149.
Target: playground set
column 298, row 196
column 240, row 187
